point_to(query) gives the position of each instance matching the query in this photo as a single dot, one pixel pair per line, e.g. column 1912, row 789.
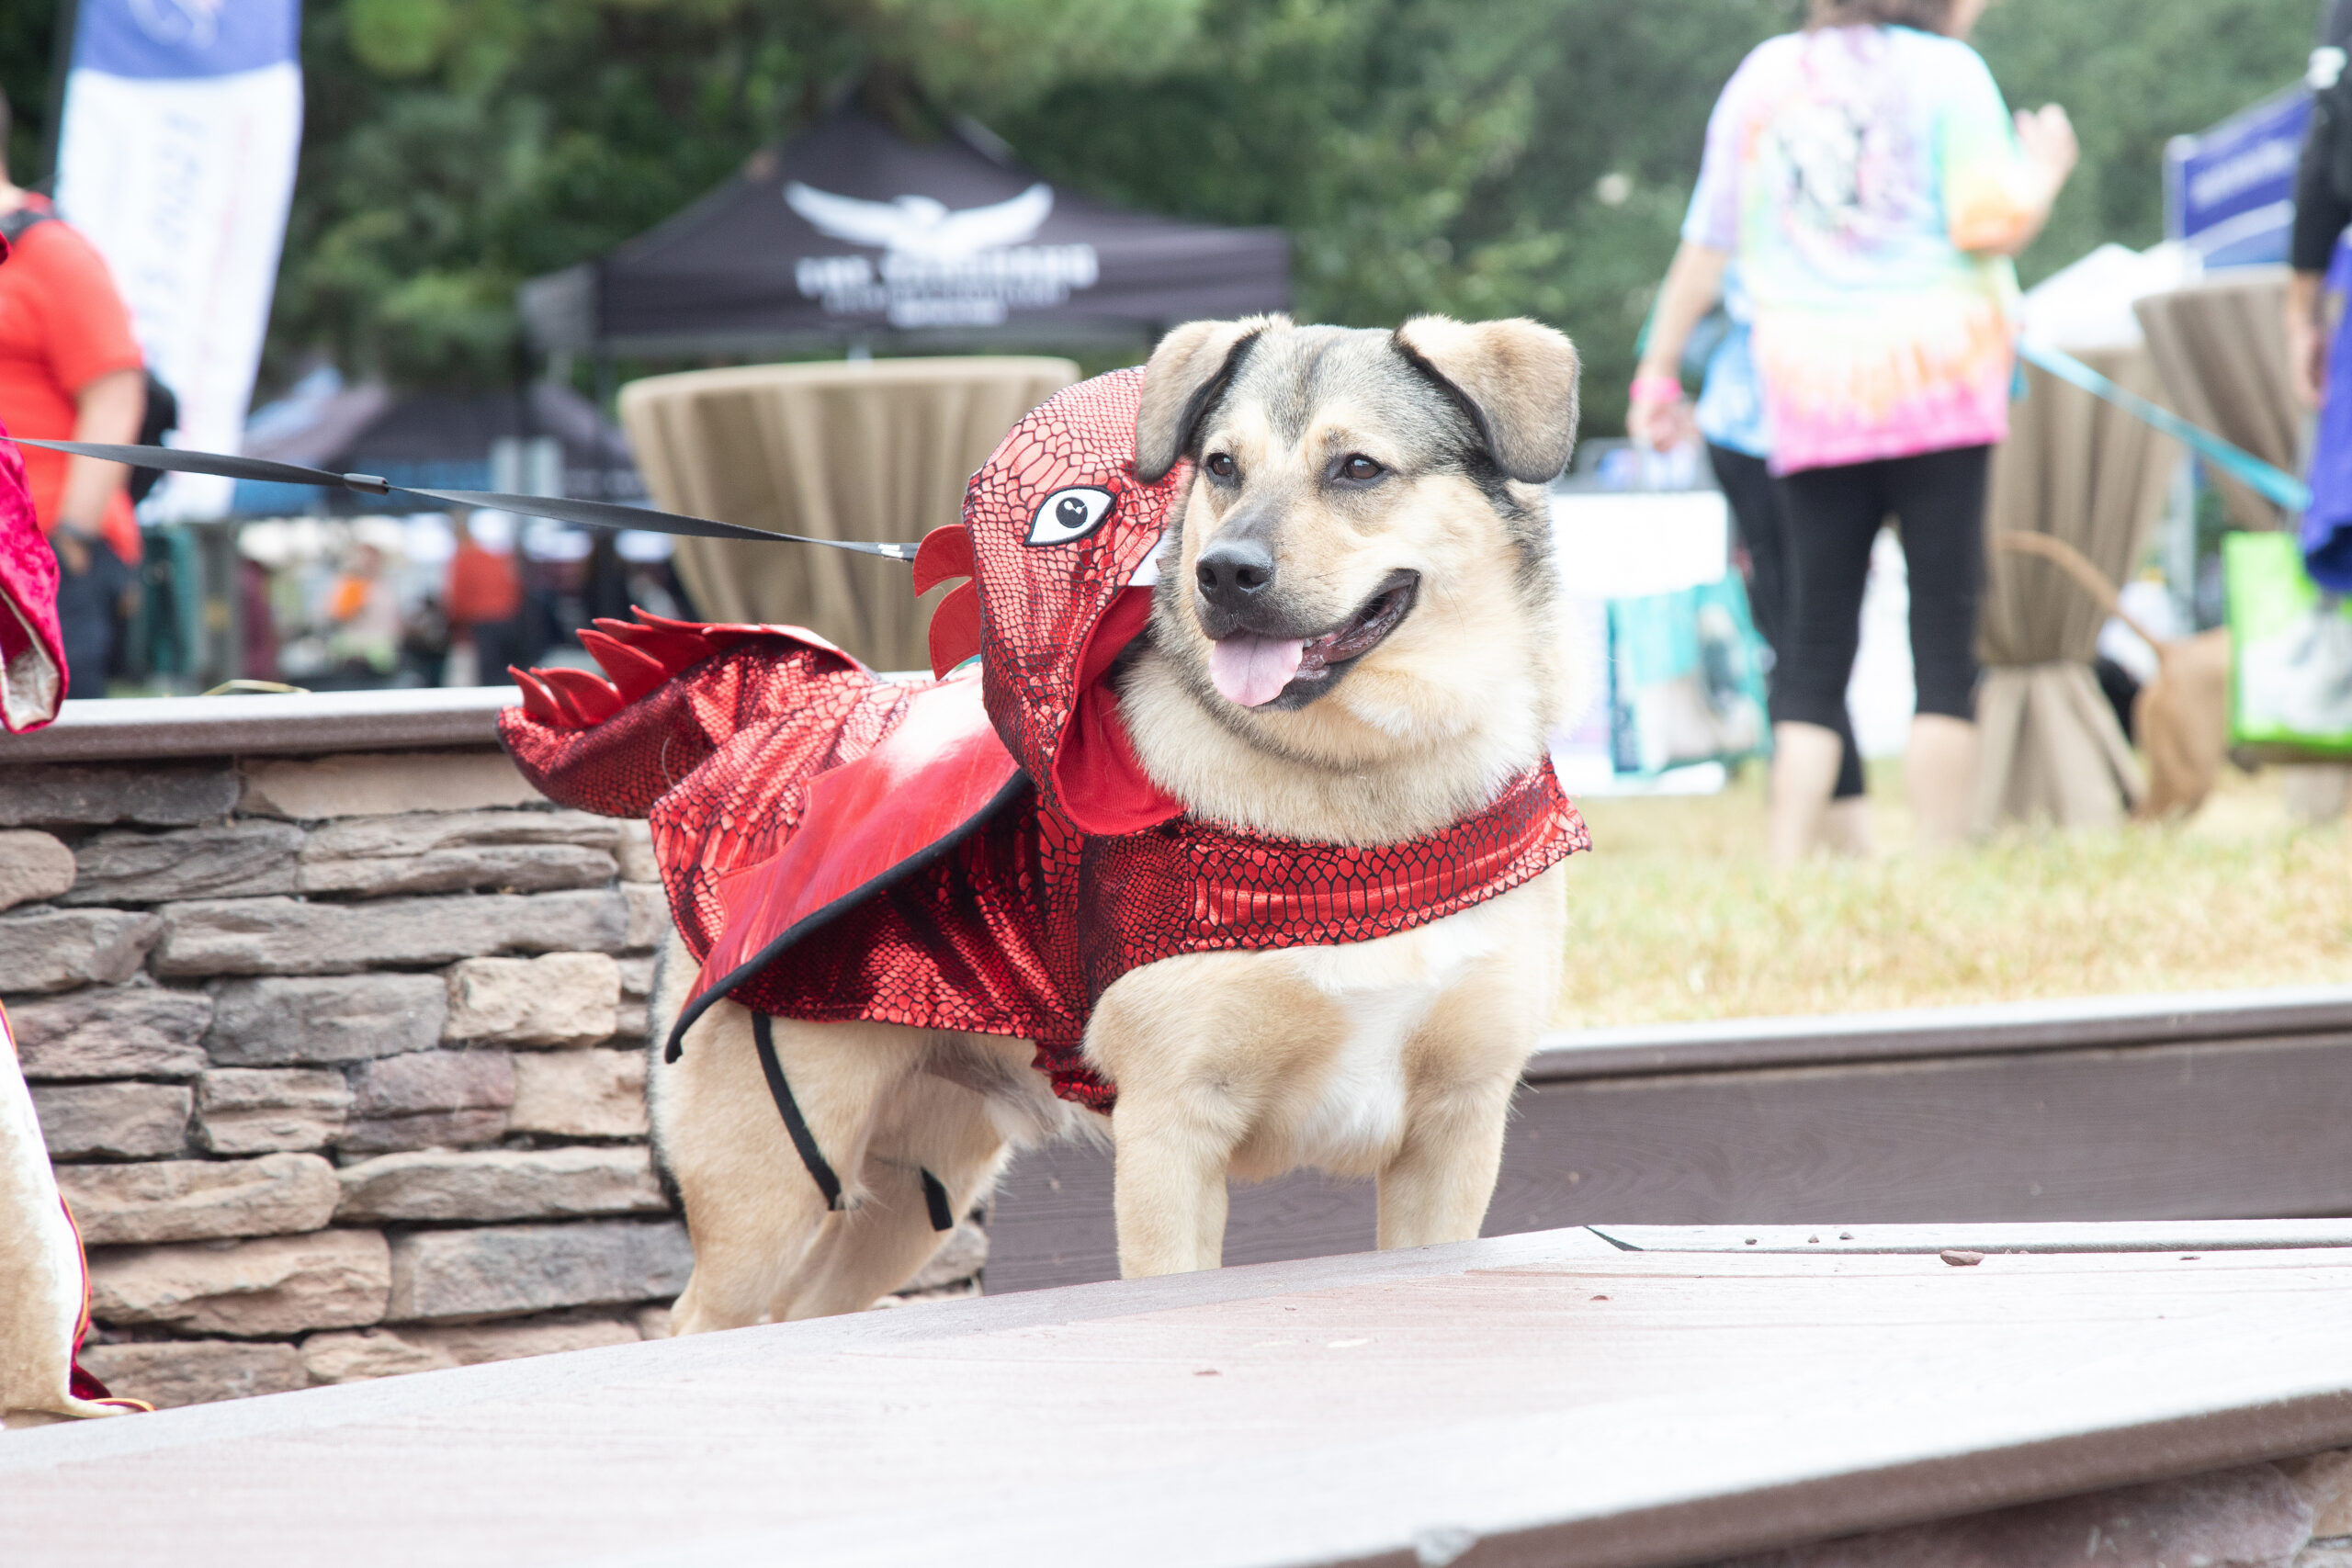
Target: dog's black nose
column 1233, row 571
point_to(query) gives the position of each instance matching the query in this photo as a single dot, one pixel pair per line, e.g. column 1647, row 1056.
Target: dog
column 2181, row 717
column 1355, row 638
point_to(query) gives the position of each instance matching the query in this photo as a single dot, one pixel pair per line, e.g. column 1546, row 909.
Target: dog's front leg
column 1438, row 1186
column 1185, row 1103
column 1462, row 1068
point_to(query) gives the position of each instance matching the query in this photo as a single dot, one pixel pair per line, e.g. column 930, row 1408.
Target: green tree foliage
column 2135, row 76
column 456, row 147
column 1483, row 157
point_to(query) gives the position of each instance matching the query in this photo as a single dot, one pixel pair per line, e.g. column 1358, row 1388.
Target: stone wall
column 341, row 1061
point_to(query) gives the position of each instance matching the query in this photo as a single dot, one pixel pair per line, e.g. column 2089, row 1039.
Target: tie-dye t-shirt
column 1862, row 177
column 1731, row 401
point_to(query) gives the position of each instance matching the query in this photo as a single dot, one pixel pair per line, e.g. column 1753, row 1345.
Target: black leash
column 821, row 1170
column 559, row 509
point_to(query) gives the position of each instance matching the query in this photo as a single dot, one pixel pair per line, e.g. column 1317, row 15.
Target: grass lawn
column 1675, row 914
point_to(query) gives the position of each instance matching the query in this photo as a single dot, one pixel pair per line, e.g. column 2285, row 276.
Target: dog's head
column 1361, row 543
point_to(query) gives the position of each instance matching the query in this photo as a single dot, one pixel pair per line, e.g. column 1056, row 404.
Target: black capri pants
column 1938, row 502
column 1755, row 502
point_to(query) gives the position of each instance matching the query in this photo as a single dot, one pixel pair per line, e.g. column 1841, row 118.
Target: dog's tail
column 2074, row 564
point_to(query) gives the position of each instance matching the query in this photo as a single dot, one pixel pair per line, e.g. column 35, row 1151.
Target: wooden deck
column 2228, row 1105
column 1642, row 1397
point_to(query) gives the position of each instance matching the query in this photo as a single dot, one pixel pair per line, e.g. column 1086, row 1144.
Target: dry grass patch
column 1675, row 915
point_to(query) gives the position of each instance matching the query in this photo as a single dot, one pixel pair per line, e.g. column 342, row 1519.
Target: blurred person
column 1872, row 185
column 363, row 617
column 1729, row 419
column 484, row 597
column 425, row 642
column 2315, row 254
column 70, row 370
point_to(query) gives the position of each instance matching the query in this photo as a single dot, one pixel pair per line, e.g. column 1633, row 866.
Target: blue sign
column 176, row 39
column 2230, row 191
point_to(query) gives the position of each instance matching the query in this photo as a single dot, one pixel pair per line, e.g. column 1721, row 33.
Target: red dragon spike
column 593, row 699
column 635, row 673
column 537, row 701
column 946, row 552
column 955, row 629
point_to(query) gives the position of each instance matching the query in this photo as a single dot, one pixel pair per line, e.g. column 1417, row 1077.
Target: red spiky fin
column 592, row 699
column 955, row 629
column 537, row 701
column 946, row 552
column 634, row 674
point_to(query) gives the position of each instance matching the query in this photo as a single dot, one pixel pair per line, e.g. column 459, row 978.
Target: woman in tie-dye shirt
column 1872, row 185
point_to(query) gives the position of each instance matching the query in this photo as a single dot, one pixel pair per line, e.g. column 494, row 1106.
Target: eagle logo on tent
column 919, row 226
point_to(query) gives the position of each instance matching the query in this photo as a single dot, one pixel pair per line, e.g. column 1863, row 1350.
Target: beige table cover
column 874, row 450
column 2089, row 474
column 2221, row 349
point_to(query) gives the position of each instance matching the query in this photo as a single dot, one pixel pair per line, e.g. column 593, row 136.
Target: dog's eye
column 1361, row 469
column 1069, row 514
column 1221, row 463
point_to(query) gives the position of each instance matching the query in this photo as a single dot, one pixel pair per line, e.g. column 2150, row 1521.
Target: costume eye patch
column 1069, row 514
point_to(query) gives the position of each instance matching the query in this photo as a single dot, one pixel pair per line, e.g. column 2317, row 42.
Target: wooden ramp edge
column 2099, row 1109
column 1561, row 1398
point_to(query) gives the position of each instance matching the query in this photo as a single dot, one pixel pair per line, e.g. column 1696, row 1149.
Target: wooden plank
column 2068, row 1024
column 1530, row 1396
column 2143, row 1236
column 2241, row 1129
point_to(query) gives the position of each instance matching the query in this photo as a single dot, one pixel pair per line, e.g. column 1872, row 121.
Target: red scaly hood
column 1056, row 529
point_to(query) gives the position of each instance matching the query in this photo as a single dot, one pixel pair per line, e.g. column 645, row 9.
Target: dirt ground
column 1675, row 914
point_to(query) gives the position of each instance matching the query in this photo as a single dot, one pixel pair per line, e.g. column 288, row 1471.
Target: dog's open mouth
column 1255, row 671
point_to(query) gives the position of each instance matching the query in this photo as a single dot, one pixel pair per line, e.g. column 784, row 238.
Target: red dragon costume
column 981, row 851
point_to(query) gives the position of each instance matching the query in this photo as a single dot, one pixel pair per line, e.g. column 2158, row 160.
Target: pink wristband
column 1657, row 390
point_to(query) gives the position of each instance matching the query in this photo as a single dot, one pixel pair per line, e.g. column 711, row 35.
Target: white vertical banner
column 183, row 120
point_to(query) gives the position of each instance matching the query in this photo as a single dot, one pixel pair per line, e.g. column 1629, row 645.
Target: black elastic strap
column 764, row 1036
column 935, row 1198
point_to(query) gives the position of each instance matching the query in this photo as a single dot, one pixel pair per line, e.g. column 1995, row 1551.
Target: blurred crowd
column 434, row 600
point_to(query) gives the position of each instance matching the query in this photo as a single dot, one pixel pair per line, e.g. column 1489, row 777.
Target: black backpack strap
column 804, row 1142
column 935, row 1198
column 795, row 1124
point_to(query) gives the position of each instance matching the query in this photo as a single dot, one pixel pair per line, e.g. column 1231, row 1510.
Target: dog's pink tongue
column 1253, row 670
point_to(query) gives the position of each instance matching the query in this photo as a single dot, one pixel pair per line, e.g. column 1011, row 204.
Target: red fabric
column 32, row 653
column 62, row 325
column 784, row 781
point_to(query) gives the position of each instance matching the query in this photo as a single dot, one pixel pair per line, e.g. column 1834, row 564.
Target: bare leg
column 1804, row 769
column 1846, row 829
column 1939, row 772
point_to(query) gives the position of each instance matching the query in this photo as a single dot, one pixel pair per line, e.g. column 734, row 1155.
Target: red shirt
column 63, row 326
column 483, row 586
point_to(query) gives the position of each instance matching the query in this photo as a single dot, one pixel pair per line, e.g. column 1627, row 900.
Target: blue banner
column 176, row 40
column 2230, row 191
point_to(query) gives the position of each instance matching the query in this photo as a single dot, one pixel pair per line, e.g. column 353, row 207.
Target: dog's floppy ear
column 1517, row 380
column 1187, row 369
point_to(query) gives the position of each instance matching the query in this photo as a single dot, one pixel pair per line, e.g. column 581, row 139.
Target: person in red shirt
column 70, row 370
column 484, row 596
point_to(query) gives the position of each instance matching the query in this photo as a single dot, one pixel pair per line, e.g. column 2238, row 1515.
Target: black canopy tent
column 851, row 233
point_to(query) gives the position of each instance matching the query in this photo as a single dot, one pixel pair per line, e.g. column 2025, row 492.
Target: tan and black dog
column 1355, row 638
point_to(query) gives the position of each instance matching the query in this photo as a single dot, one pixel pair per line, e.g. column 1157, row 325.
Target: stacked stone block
column 342, row 1064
